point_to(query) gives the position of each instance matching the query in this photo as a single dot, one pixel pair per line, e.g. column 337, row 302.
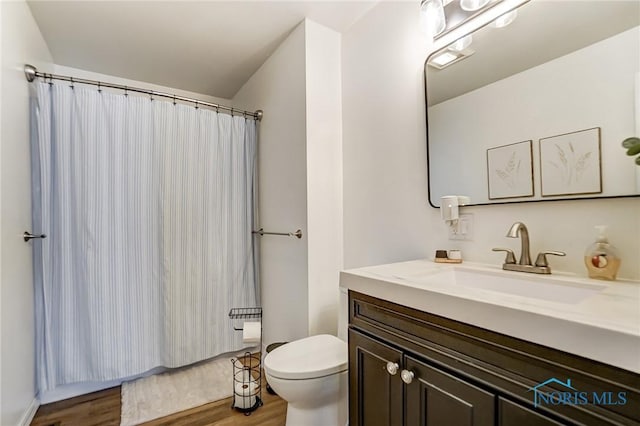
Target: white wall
column 386, row 215
column 278, row 88
column 574, row 92
column 558, row 225
column 324, row 175
column 21, row 43
column 300, row 179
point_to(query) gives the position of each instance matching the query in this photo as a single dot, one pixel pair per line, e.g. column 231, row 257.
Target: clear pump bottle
column 601, row 258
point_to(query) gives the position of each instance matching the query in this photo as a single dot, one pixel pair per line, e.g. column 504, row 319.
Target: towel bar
column 297, row 234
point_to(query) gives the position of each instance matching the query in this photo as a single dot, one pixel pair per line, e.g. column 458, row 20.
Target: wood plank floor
column 103, row 409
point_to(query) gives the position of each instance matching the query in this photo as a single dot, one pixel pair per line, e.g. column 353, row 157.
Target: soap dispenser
column 601, row 258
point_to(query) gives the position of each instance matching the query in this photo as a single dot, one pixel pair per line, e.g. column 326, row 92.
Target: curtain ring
column 217, row 108
column 151, row 96
column 174, row 99
column 50, row 79
column 196, row 104
column 72, row 87
column 125, row 91
column 99, row 88
column 231, row 111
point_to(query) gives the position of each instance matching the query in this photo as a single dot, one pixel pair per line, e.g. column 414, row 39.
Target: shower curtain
column 148, row 211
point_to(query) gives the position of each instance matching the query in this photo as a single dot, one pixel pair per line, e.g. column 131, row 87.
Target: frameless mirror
column 537, row 110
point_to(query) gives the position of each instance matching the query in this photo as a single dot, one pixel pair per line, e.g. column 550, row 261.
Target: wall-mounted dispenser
column 449, row 204
column 460, row 227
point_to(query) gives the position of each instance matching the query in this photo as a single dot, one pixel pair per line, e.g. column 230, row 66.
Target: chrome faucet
column 541, row 266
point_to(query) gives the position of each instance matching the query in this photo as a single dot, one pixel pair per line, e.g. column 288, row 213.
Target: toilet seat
column 308, row 358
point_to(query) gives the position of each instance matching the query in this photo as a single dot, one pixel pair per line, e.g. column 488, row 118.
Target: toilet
column 311, row 375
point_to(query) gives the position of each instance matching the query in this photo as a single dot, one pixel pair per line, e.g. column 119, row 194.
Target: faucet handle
column 541, row 260
column 511, row 257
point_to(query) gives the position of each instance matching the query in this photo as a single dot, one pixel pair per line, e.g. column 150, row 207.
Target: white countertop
column 604, row 326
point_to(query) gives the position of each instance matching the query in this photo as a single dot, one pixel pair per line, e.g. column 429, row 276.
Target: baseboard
column 30, row 413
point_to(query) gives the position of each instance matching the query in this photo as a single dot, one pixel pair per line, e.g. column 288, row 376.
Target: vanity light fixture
column 473, row 5
column 439, row 17
column 432, row 16
column 504, row 20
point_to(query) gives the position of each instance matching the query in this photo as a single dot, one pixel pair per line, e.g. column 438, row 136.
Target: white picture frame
column 570, row 163
column 510, row 170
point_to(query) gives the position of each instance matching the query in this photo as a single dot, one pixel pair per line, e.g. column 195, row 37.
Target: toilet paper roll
column 251, row 331
column 245, row 394
column 246, row 375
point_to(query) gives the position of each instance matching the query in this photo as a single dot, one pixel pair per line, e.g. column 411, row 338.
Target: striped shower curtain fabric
column 148, row 209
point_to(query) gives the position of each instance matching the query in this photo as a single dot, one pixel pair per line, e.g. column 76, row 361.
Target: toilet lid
column 307, row 358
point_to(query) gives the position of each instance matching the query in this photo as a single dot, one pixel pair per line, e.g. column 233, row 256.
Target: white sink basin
column 545, row 287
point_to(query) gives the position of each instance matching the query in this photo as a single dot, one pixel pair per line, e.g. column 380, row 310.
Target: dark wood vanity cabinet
column 510, row 413
column 377, row 397
column 433, row 397
column 408, row 367
column 437, row 398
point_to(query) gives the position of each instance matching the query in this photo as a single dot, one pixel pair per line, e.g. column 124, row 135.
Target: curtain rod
column 32, row 73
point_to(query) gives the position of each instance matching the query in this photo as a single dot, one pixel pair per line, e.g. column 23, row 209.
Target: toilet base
column 328, row 415
column 311, row 375
column 321, row 401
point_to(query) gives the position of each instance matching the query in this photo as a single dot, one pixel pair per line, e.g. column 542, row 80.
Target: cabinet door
column 375, row 395
column 436, row 398
column 512, row 414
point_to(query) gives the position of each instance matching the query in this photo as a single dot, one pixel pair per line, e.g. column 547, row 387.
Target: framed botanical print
column 570, row 163
column 510, row 171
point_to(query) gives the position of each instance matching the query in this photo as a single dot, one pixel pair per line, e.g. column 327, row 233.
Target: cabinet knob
column 392, row 368
column 406, row 376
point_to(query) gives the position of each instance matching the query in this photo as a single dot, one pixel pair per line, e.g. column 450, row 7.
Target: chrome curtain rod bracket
column 29, row 236
column 31, row 73
column 297, row 234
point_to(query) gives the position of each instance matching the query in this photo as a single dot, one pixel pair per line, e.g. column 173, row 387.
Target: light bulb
column 504, row 20
column 433, row 19
column 472, row 5
column 462, row 43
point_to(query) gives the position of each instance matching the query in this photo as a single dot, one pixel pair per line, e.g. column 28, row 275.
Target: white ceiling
column 209, row 47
